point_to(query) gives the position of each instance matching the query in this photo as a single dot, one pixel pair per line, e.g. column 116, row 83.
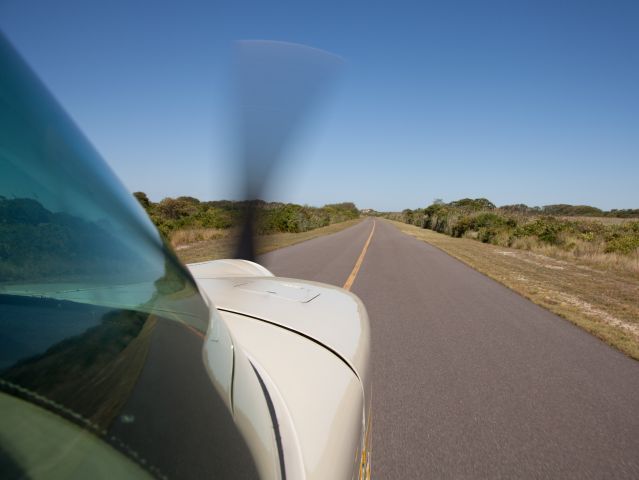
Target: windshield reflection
column 100, row 325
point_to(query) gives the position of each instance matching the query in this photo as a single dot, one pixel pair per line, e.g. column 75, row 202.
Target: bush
column 623, row 244
column 284, row 218
column 547, row 229
column 213, row 217
column 623, row 238
column 488, row 222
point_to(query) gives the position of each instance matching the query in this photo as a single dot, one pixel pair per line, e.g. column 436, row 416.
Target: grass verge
column 222, row 244
column 603, row 301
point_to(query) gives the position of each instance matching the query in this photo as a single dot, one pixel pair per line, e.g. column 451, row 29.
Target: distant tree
column 407, row 215
column 517, row 208
column 188, row 200
column 567, row 210
column 173, row 209
column 343, row 206
column 473, row 204
column 143, row 199
column 624, row 213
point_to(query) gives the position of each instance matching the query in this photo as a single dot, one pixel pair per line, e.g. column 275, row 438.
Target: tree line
column 171, row 214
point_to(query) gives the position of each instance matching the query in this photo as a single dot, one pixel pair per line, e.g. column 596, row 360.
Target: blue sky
column 533, row 102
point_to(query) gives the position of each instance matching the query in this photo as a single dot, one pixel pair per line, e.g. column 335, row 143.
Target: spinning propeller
column 278, row 86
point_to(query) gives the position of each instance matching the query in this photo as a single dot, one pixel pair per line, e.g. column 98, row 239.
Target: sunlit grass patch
column 181, row 238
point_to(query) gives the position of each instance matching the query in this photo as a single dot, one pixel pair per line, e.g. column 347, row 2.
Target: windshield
column 101, row 328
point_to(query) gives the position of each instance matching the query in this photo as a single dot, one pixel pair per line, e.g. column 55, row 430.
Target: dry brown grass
column 604, row 220
column 599, row 294
column 181, row 238
column 589, row 253
column 223, row 246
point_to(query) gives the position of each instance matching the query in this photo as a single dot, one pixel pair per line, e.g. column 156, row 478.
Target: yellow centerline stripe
column 358, row 264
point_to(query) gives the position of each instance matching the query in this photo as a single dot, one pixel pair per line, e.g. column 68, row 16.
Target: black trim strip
column 233, row 380
column 276, row 426
column 308, row 337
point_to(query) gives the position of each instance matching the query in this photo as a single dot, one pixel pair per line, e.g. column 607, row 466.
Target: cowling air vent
column 279, row 289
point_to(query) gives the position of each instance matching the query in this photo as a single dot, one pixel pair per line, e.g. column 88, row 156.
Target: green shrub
column 622, row 238
column 487, row 222
column 547, row 229
column 212, row 217
column 626, row 244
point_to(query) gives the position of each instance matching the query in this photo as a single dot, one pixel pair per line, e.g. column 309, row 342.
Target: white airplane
column 116, row 361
